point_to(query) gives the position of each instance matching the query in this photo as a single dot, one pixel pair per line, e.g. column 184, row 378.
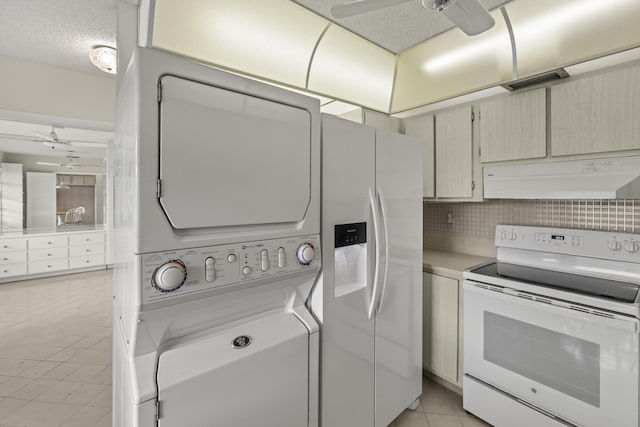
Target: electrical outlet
column 449, row 218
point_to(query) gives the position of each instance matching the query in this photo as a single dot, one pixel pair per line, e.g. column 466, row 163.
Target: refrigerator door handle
column 383, row 221
column 376, row 271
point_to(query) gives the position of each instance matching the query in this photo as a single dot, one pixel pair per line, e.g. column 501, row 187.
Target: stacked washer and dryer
column 218, row 250
column 217, row 245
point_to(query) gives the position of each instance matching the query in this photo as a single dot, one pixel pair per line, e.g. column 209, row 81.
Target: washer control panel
column 172, row 273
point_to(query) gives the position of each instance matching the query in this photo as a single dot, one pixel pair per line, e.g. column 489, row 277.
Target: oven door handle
column 575, row 311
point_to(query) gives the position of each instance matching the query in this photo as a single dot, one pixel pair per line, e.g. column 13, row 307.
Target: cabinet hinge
column 158, row 413
column 159, row 92
column 159, row 188
column 473, row 185
column 479, row 151
column 473, row 116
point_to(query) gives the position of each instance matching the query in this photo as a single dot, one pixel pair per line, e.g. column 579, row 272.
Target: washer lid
column 231, row 159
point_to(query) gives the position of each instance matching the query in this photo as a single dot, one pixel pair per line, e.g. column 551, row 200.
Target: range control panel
column 600, row 244
column 180, row 272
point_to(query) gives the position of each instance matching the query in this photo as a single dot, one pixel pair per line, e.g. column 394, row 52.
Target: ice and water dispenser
column 350, row 258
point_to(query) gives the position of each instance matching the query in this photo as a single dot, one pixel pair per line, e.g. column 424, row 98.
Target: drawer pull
column 88, row 250
column 5, row 246
column 49, row 243
column 5, row 271
column 5, row 259
column 49, row 266
column 49, row 254
column 87, row 261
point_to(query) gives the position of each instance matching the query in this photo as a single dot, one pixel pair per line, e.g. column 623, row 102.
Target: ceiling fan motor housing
column 438, row 5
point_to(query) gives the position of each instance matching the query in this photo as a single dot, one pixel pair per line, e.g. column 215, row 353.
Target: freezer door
column 231, row 159
column 398, row 339
column 347, row 365
column 228, row 380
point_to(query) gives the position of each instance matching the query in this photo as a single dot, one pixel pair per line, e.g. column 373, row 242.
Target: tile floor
column 55, row 351
column 55, row 358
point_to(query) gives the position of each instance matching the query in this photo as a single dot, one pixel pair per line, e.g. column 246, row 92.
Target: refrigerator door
column 398, row 340
column 347, row 370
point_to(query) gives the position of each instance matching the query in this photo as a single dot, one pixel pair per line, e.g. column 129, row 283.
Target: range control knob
column 503, row 235
column 169, row 276
column 614, row 245
column 631, row 247
column 305, row 253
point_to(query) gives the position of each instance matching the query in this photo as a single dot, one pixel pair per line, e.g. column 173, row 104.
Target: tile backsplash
column 480, row 219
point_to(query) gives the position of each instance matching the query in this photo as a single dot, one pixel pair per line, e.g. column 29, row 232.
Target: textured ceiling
column 394, row 28
column 57, row 32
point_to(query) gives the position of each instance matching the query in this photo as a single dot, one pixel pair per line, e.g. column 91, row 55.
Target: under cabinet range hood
column 610, row 178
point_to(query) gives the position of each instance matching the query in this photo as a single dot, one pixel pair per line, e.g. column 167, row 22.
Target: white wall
column 41, row 89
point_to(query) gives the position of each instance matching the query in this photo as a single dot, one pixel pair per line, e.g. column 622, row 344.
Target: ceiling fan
column 469, row 15
column 69, row 165
column 52, row 140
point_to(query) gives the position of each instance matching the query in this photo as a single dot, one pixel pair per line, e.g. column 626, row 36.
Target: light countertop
column 26, row 232
column 449, row 264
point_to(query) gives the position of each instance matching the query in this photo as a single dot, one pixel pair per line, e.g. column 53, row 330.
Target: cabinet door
column 597, row 113
column 440, row 326
column 422, row 127
column 454, row 174
column 514, row 127
column 41, row 200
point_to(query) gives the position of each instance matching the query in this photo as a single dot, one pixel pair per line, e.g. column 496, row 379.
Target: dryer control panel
column 180, row 272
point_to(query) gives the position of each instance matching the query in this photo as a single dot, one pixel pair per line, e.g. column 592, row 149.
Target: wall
column 473, row 224
column 31, row 87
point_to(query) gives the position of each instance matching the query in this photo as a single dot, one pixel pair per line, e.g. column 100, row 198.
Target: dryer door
column 231, row 159
column 265, row 383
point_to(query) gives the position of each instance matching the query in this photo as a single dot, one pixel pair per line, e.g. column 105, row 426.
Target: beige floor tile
column 102, row 377
column 86, row 393
column 40, row 369
column 41, row 414
column 105, row 343
column 92, row 357
column 105, row 421
column 437, row 403
column 442, row 420
column 74, row 372
column 103, row 399
column 87, row 342
column 456, row 402
column 472, row 421
column 87, row 416
column 59, row 392
column 411, row 419
column 64, row 355
column 35, row 388
column 13, row 367
column 13, row 385
column 9, row 405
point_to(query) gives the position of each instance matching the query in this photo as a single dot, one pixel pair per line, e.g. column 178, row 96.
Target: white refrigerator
column 370, row 300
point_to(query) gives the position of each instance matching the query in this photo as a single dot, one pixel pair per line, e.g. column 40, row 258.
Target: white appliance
column 370, row 299
column 610, row 178
column 217, row 186
column 551, row 329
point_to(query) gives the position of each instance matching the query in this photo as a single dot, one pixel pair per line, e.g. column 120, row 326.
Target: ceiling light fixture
column 104, row 57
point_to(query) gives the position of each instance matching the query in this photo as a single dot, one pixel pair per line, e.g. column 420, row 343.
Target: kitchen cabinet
column 423, row 128
column 11, row 197
column 597, row 113
column 41, row 200
column 513, row 127
column 441, row 352
column 454, row 153
column 381, row 121
column 24, row 256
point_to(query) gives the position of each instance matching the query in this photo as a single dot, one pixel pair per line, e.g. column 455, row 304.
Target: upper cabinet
column 454, row 153
column 596, row 114
column 423, row 128
column 513, row 127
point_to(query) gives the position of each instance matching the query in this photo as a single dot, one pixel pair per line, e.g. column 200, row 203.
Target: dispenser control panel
column 350, row 234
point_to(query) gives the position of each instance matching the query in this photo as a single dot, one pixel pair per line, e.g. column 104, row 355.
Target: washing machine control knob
column 305, row 253
column 169, row 276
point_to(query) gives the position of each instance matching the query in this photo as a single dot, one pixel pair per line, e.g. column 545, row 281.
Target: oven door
column 560, row 357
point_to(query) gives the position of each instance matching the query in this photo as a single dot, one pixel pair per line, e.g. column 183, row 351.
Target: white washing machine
column 217, row 248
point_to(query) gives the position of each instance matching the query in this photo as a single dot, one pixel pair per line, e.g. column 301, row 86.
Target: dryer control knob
column 631, row 247
column 169, row 276
column 305, row 253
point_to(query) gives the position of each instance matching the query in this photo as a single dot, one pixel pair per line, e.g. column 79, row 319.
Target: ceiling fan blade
column 48, row 164
column 45, row 137
column 87, row 144
column 344, row 10
column 470, row 16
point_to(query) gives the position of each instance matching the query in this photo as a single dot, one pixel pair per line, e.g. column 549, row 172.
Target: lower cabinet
column 441, row 352
column 55, row 253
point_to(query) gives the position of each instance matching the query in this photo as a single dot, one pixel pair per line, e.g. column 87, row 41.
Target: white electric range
column 551, row 329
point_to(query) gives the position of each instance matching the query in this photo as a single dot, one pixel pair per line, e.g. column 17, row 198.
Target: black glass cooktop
column 604, row 288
